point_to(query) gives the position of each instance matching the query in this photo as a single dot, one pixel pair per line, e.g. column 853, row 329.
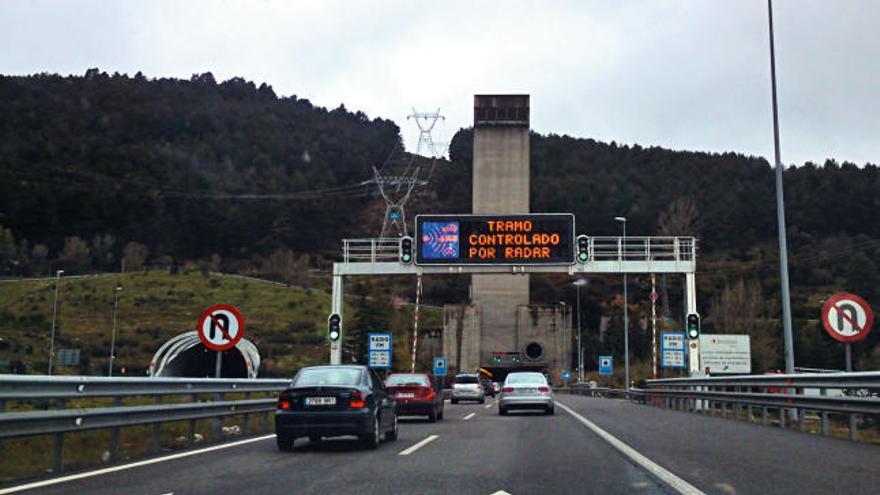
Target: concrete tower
column 500, row 186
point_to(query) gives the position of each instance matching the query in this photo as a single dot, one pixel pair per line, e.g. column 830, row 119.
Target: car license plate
column 405, row 395
column 526, row 390
column 320, row 401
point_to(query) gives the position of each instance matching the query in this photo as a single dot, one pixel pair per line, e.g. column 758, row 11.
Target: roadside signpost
column 220, row 328
column 379, row 350
column 605, row 365
column 726, row 354
column 439, row 366
column 672, row 349
column 68, row 357
column 847, row 318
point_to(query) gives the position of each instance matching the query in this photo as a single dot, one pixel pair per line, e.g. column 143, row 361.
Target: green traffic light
column 334, row 335
column 582, row 256
column 406, row 257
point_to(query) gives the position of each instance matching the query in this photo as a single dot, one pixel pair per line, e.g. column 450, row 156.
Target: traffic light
column 514, row 358
column 693, row 326
column 496, row 359
column 583, row 247
column 406, row 250
column 334, row 327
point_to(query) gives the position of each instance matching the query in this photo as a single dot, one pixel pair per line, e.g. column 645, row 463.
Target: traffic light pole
column 336, row 308
column 690, row 298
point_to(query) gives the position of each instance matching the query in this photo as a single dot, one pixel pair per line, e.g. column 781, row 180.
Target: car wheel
column 392, row 434
column 440, row 415
column 502, row 411
column 371, row 439
column 285, row 442
column 432, row 416
column 315, row 438
column 455, row 401
column 483, row 400
column 550, row 411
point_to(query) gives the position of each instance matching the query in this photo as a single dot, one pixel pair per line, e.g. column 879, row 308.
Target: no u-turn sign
column 221, row 327
column 847, row 317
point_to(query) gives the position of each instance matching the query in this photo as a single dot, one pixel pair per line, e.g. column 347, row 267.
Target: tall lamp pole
column 622, row 220
column 54, row 314
column 113, row 334
column 578, row 284
column 780, row 212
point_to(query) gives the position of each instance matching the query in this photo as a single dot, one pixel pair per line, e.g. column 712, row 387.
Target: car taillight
column 507, row 390
column 428, row 392
column 544, row 390
column 284, row 401
column 357, row 400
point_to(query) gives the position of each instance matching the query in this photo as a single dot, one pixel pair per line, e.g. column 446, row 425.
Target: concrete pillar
column 500, row 186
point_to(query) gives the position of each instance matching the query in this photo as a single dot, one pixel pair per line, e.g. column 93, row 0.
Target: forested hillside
column 230, row 176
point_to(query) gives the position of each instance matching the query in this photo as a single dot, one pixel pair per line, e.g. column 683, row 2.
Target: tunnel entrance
column 186, row 356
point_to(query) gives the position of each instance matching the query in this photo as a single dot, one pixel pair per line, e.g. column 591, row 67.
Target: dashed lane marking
column 489, row 405
column 676, row 483
column 98, row 472
column 469, row 416
column 419, row 445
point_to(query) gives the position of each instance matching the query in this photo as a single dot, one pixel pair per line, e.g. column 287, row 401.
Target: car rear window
column 466, row 379
column 312, row 377
column 525, row 378
column 406, row 379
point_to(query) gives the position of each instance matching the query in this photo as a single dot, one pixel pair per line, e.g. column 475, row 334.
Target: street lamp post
column 113, row 334
column 578, row 284
column 622, row 220
column 788, row 340
column 54, row 314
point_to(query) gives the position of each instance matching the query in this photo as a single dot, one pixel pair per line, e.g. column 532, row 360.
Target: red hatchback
column 415, row 394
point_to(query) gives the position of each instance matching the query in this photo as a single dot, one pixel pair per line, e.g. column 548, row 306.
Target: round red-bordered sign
column 847, row 317
column 221, row 327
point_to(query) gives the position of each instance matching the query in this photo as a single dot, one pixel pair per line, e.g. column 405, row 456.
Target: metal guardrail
column 53, row 393
column 788, row 396
column 613, row 248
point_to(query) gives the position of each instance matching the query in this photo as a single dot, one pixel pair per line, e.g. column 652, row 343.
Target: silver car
column 467, row 387
column 526, row 390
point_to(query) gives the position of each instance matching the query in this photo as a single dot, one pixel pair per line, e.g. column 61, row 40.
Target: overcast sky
column 679, row 74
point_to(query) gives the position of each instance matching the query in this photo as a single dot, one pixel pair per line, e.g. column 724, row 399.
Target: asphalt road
column 522, row 453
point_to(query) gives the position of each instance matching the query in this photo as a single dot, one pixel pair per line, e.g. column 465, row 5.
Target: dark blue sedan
column 333, row 401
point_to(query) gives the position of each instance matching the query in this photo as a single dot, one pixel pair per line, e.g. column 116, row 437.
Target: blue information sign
column 379, row 350
column 566, row 375
column 672, row 349
column 605, row 365
column 439, row 366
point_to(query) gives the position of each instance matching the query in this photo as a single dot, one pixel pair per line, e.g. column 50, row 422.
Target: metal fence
column 787, row 397
column 41, row 405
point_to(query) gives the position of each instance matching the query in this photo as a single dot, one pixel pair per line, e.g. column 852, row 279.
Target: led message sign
column 495, row 239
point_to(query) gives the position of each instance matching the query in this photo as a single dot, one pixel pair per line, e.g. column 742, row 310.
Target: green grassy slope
column 286, row 323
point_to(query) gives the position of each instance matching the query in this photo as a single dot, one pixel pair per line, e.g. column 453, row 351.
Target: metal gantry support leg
column 336, row 304
column 690, row 297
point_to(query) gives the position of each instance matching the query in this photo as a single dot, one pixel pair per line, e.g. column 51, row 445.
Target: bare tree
column 681, row 217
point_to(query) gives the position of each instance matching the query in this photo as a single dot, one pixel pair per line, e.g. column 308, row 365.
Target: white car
column 467, row 387
column 526, row 390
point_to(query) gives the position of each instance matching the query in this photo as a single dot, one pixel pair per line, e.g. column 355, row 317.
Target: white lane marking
column 501, row 492
column 419, row 445
column 487, row 407
column 98, row 472
column 676, row 483
column 469, row 416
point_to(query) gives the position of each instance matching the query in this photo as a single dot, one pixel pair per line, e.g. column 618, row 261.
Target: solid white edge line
column 676, row 483
column 469, row 416
column 98, row 472
column 419, row 445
